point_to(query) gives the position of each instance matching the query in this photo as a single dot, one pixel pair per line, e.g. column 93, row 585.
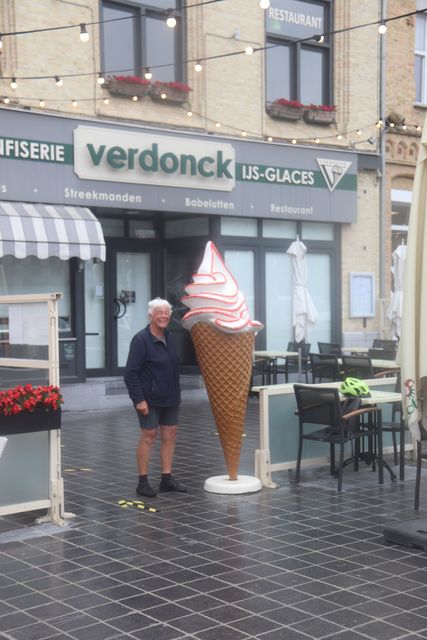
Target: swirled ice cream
column 215, row 298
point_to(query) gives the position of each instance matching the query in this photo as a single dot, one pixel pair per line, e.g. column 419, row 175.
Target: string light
column 294, row 141
column 189, row 114
column 198, row 66
column 379, row 124
column 320, row 38
column 339, row 137
column 42, row 104
column 135, row 98
column 249, row 51
column 147, row 73
column 1, row 41
column 6, row 100
column 317, row 140
column 101, row 79
column 382, row 28
column 270, row 139
column 244, row 134
column 171, row 20
column 58, row 81
column 217, row 124
column 84, row 36
column 106, row 101
column 74, row 104
column 14, row 84
column 264, row 4
column 359, row 132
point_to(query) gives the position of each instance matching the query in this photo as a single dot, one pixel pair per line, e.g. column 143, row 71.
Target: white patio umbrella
column 395, row 310
column 412, row 352
column 304, row 314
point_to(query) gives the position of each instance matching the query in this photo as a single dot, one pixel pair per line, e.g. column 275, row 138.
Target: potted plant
column 170, row 91
column 320, row 114
column 26, row 408
column 128, row 85
column 286, row 109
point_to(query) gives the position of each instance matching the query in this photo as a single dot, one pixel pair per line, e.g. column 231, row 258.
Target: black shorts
column 159, row 416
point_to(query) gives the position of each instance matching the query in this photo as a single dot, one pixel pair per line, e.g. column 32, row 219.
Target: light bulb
column 189, row 114
column 317, row 140
column 198, row 66
column 74, row 103
column 244, row 134
column 6, row 100
column 106, row 101
column 294, row 141
column 320, row 38
column 359, row 133
column 382, row 28
column 135, row 98
column 58, row 81
column 249, row 51
column 1, row 41
column 14, row 84
column 264, row 4
column 41, row 103
column 101, row 79
column 171, row 20
column 270, row 139
column 217, row 124
column 147, row 73
column 339, row 136
column 84, row 36
column 163, row 96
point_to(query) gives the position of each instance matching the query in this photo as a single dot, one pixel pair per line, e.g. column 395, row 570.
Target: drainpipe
column 382, row 154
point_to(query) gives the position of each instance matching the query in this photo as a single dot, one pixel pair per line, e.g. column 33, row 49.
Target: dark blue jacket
column 152, row 370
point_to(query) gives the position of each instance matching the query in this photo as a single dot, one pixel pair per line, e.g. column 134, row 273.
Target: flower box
column 319, row 116
column 285, row 111
column 174, row 92
column 128, row 86
column 29, row 421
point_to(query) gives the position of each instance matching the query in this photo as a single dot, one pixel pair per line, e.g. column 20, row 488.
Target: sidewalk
column 295, row 563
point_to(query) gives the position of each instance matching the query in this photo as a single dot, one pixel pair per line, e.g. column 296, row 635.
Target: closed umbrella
column 395, row 310
column 412, row 352
column 304, row 314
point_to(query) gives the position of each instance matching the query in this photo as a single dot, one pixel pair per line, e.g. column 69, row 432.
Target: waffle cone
column 226, row 364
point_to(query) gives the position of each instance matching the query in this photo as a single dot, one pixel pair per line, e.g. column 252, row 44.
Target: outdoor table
column 273, row 356
column 279, row 427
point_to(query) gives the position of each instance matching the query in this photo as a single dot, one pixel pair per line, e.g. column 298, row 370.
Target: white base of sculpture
column 223, row 484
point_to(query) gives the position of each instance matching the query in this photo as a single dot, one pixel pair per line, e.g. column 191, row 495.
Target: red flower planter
column 29, row 421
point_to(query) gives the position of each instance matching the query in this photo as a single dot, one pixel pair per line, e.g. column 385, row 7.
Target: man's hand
column 142, row 407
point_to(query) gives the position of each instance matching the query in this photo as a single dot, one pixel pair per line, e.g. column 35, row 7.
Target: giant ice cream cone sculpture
column 223, row 336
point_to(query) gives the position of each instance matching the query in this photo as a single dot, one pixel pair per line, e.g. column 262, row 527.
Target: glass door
column 116, row 298
column 133, row 292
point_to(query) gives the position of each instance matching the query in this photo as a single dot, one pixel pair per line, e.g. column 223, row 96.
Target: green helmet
column 355, row 387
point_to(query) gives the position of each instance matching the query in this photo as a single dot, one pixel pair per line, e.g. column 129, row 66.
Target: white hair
column 158, row 302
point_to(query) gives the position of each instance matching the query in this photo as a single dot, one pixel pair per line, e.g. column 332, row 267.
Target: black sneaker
column 145, row 489
column 170, row 484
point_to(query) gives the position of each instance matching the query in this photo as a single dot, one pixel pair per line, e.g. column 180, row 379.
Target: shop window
column 279, row 229
column 298, row 70
column 135, row 36
column 421, row 54
column 112, row 227
column 187, row 227
column 242, row 266
column 317, row 231
column 141, row 229
column 247, row 227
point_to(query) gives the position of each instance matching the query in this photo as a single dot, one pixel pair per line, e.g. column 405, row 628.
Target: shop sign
column 295, row 19
column 121, row 156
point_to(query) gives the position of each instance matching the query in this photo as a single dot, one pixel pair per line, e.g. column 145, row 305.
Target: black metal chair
column 357, row 367
column 381, row 354
column 322, row 406
column 421, row 454
column 330, row 348
column 290, row 364
column 261, row 368
column 387, row 345
column 324, row 366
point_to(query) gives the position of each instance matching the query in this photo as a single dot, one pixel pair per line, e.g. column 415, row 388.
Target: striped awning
column 46, row 230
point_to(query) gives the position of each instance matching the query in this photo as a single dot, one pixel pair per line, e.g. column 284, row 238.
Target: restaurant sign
column 295, row 19
column 61, row 160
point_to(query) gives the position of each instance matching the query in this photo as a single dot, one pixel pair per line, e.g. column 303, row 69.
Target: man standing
column 152, row 380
